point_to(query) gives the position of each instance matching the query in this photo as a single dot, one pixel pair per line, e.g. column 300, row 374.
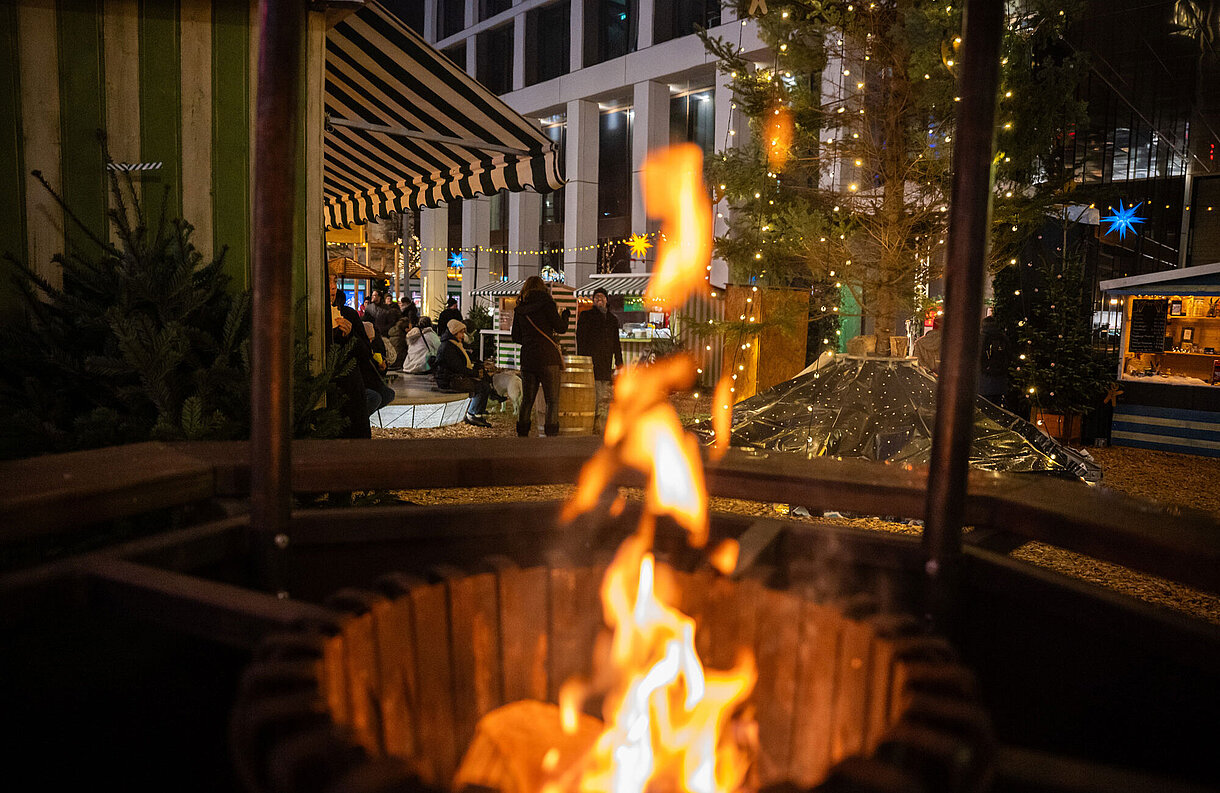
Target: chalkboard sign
column 1148, row 325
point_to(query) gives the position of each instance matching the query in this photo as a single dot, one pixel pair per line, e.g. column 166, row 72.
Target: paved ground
column 1164, row 477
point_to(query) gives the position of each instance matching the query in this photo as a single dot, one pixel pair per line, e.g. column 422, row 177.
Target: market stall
column 502, row 299
column 652, row 327
column 1169, row 369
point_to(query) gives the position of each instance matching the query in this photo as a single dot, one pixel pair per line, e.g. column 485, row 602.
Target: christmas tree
column 1044, row 306
column 843, row 183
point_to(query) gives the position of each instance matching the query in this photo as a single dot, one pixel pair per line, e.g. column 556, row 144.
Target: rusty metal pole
column 965, row 269
column 275, row 166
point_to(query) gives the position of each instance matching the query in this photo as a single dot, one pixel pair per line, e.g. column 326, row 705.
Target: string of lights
column 638, row 243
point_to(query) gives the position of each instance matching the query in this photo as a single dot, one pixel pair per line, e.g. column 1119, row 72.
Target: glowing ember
column 722, row 416
column 778, row 137
column 670, row 725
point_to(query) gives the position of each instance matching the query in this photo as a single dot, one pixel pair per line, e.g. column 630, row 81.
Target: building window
column 610, row 29
column 452, row 18
column 494, row 64
column 614, row 165
column 692, row 119
column 673, row 19
column 411, row 12
column 547, row 32
column 497, row 261
column 555, row 128
column 489, row 8
column 457, row 54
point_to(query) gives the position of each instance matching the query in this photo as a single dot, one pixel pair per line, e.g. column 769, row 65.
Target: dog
column 508, row 384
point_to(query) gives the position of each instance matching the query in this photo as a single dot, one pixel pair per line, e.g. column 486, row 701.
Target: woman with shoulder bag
column 536, row 322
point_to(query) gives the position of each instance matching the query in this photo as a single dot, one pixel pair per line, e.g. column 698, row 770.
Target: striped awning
column 499, row 289
column 406, row 128
column 625, row 285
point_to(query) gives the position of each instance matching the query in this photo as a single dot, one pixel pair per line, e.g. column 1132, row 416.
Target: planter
column 1064, row 427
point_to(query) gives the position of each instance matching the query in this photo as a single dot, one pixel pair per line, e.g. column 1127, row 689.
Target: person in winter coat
column 455, row 371
column 377, row 345
column 361, row 386
column 451, row 312
column 388, row 313
column 597, row 337
column 995, row 356
column 422, row 344
column 927, row 348
column 410, row 311
column 536, row 322
column 396, row 340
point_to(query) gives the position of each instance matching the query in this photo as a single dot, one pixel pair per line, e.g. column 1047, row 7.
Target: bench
column 418, row 403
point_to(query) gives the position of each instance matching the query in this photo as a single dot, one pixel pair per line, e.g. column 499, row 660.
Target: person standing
column 536, row 322
column 597, row 336
column 927, row 348
column 451, row 312
column 995, row 356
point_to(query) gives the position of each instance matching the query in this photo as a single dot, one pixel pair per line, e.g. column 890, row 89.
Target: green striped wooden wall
column 167, row 80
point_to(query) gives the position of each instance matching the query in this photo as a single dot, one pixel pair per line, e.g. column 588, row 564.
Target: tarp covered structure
column 883, row 409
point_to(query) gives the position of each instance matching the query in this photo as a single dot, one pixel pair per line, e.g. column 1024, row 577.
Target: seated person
column 455, row 371
column 377, row 345
column 422, row 344
column 396, row 341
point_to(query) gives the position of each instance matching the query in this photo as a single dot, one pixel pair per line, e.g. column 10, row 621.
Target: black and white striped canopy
column 437, row 134
column 500, row 289
column 625, row 285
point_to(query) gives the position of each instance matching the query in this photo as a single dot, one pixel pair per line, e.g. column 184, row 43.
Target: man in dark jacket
column 451, row 312
column 455, row 371
column 597, row 337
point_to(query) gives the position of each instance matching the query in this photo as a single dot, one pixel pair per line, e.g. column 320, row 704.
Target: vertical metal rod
column 966, row 267
column 275, row 167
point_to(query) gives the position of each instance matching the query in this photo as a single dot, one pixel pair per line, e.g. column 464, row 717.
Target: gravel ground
column 1175, row 479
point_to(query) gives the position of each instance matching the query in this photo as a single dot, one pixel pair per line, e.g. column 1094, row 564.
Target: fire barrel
column 390, row 696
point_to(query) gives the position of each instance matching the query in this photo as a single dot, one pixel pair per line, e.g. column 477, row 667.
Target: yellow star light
column 639, row 245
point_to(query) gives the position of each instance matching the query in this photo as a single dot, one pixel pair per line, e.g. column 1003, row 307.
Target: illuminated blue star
column 1123, row 220
column 456, row 261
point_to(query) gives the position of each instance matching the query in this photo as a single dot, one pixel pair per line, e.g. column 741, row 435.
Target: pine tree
column 1045, row 307
column 143, row 341
column 844, row 183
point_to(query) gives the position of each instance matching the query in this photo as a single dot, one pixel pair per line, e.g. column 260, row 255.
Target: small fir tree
column 1044, row 307
column 143, row 341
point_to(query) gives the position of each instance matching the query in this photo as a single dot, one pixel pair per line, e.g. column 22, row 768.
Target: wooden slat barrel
column 577, row 396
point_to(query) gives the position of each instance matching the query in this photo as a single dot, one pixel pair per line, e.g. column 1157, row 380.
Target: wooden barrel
column 577, row 396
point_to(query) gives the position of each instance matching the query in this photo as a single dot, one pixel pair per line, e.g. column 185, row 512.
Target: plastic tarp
column 884, row 409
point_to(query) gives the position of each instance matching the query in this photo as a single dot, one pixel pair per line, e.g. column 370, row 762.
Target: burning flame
column 670, row 724
column 673, row 191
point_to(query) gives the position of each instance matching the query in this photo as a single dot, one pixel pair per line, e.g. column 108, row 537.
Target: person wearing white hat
column 455, row 371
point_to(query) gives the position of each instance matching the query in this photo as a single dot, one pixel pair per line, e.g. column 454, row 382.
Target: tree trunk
column 892, row 290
